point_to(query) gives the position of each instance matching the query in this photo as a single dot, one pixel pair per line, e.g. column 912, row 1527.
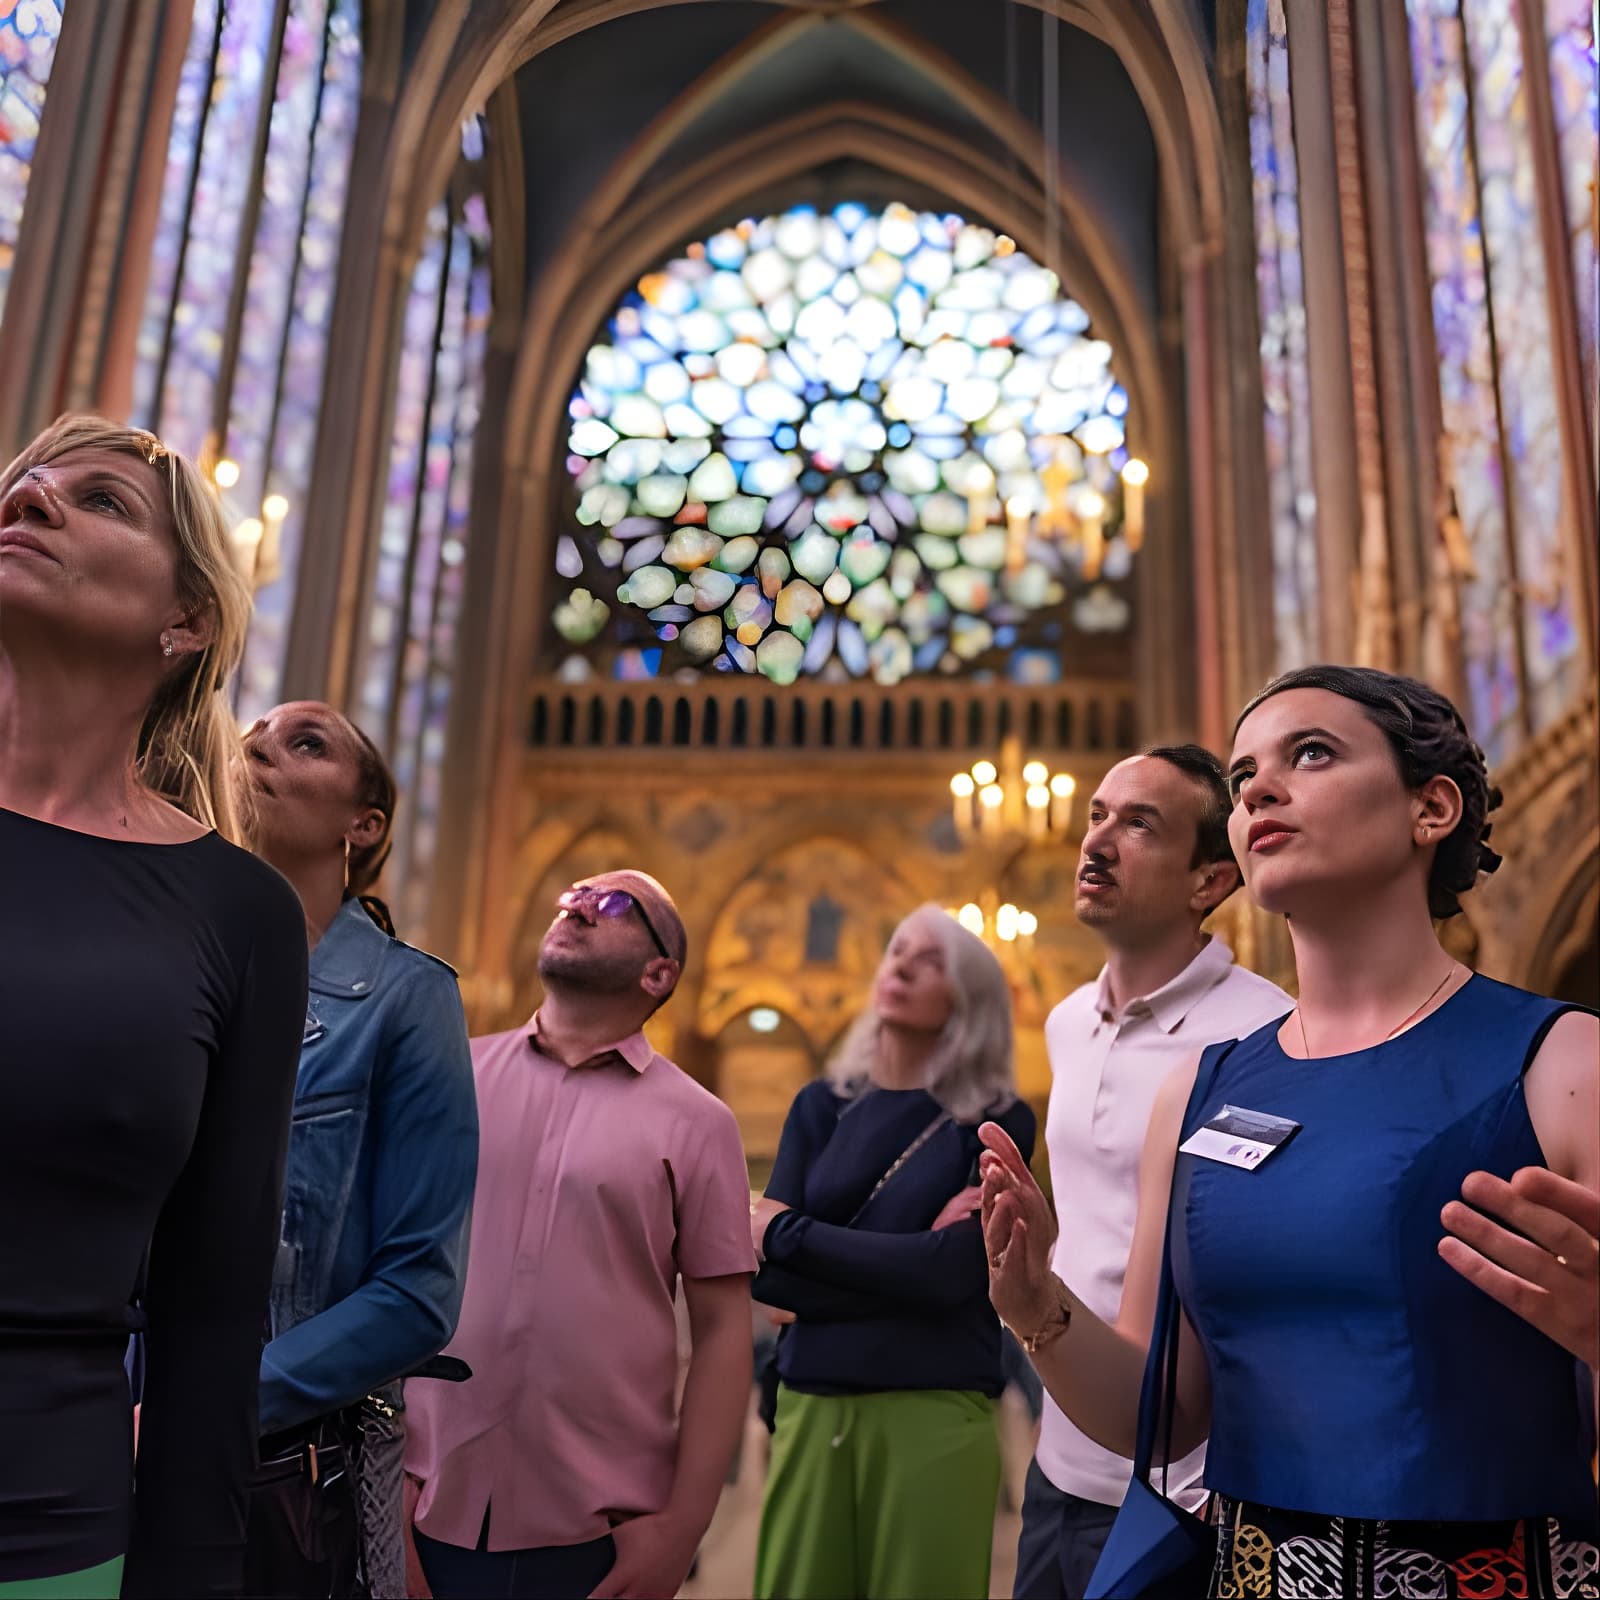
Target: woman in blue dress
column 1387, row 1320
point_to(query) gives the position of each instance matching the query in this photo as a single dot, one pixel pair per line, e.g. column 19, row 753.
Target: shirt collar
column 1173, row 1001
column 635, row 1051
column 347, row 958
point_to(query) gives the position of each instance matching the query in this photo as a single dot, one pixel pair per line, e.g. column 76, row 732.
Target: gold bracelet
column 1055, row 1322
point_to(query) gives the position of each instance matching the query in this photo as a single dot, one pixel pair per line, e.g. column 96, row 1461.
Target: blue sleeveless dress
column 1379, row 1425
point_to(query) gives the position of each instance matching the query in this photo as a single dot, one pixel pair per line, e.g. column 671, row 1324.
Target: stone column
column 1334, row 464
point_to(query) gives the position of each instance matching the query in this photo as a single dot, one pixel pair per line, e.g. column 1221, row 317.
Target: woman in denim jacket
column 382, row 1161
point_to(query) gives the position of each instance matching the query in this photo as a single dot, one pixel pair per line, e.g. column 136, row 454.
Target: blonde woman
column 885, row 1459
column 152, row 986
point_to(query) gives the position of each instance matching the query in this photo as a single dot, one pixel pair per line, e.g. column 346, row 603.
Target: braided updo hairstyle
column 375, row 788
column 1429, row 740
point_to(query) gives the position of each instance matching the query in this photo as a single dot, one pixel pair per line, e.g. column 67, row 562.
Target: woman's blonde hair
column 189, row 743
column 972, row 1071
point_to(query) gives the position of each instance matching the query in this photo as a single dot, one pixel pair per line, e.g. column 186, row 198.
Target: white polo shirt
column 1105, row 1071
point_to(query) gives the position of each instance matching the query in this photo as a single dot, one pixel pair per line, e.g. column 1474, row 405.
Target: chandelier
column 1012, row 799
column 1000, row 808
column 1068, row 502
column 997, row 923
column 256, row 540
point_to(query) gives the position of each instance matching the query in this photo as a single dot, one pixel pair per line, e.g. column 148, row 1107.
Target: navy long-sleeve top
column 887, row 1303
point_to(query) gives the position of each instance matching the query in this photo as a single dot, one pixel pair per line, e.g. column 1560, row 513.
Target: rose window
column 849, row 444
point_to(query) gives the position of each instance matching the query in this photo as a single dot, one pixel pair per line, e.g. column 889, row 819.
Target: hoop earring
column 347, row 863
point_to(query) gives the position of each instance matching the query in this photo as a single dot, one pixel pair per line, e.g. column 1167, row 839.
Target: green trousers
column 880, row 1497
column 95, row 1583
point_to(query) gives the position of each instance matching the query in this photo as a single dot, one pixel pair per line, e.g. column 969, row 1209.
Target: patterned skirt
column 1268, row 1553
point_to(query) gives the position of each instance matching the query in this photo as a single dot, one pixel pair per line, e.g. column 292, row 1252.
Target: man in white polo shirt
column 1155, row 863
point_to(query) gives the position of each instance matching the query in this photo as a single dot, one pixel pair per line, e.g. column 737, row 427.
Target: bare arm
column 654, row 1552
column 1095, row 1369
column 716, row 1394
column 1546, row 1266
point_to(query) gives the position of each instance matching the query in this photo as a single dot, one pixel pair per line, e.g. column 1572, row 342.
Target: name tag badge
column 1240, row 1138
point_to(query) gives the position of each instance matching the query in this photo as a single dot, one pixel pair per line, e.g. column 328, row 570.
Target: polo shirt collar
column 1172, row 1002
column 635, row 1051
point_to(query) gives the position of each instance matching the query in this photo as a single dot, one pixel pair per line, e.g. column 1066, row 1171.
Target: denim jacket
column 383, row 1157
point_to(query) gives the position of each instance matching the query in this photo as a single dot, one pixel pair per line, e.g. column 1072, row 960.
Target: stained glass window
column 29, row 30
column 1502, row 425
column 852, row 443
column 239, row 297
column 1575, row 95
column 1473, row 467
column 1525, row 350
column 1285, row 375
column 412, row 618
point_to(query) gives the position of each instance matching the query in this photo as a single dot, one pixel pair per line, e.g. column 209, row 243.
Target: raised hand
column 1018, row 1234
column 1548, row 1271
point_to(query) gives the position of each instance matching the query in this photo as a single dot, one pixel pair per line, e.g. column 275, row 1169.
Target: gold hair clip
column 154, row 449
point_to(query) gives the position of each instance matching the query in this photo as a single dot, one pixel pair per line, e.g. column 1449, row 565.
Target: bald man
column 564, row 1465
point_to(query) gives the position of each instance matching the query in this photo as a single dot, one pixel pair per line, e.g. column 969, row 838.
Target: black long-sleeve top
column 152, row 999
column 886, row 1303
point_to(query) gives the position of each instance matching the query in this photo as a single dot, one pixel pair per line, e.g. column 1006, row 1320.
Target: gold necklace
column 1405, row 1022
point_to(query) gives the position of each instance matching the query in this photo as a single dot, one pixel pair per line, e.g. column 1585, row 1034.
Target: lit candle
column 1094, row 549
column 962, row 789
column 1038, row 810
column 268, row 568
column 990, row 797
column 1135, row 475
column 1061, row 790
column 1017, row 519
column 1091, row 516
column 247, row 546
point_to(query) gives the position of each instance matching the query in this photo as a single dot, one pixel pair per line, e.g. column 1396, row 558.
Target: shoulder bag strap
column 899, row 1161
column 1158, row 1394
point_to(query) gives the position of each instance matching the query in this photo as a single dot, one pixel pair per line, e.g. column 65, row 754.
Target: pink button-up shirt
column 597, row 1186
